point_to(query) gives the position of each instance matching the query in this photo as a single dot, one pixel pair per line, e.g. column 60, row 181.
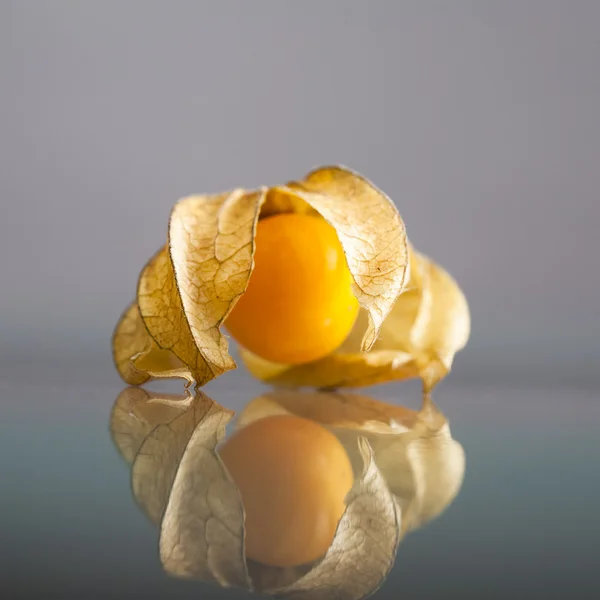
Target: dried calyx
column 332, row 242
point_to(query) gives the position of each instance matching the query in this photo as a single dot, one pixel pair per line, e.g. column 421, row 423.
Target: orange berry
column 299, row 304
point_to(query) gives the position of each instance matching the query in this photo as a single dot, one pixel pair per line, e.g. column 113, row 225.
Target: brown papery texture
column 186, row 291
column 129, row 339
column 372, row 235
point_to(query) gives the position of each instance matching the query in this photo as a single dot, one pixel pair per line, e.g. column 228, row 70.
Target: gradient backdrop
column 481, row 120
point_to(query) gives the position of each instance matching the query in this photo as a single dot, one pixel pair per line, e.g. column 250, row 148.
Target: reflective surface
column 314, row 505
column 525, row 524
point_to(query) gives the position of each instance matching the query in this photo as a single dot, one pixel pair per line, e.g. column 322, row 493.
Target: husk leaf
column 137, row 356
column 211, row 248
column 188, row 288
column 371, row 232
column 130, row 337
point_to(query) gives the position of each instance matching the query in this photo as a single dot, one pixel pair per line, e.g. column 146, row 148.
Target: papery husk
column 415, row 452
column 129, row 339
column 138, row 357
column 188, row 288
column 427, row 325
column 372, row 235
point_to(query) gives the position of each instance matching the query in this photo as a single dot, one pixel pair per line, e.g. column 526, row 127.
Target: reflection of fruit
column 299, row 304
column 293, row 476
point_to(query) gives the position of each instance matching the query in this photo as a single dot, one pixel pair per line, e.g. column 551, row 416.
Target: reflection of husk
column 188, row 288
column 421, row 463
column 155, row 466
column 364, row 547
column 428, row 324
column 137, row 412
column 151, row 432
column 265, row 577
column 202, row 532
column 180, row 483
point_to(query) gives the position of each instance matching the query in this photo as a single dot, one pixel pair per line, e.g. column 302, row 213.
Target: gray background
column 480, row 119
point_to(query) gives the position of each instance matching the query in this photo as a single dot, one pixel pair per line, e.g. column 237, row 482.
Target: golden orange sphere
column 299, row 304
